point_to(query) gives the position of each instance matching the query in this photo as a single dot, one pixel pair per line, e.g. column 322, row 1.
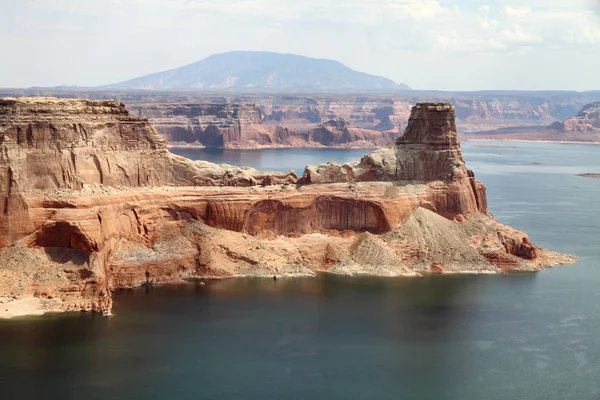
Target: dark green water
column 530, row 336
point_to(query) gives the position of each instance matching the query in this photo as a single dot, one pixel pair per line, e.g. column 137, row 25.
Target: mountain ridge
column 260, row 72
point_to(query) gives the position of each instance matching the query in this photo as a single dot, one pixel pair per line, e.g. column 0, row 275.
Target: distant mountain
column 262, row 72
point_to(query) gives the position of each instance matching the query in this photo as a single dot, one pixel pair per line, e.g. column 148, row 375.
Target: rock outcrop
column 91, row 201
column 428, row 151
column 206, row 124
column 338, row 132
column 588, row 120
column 52, row 144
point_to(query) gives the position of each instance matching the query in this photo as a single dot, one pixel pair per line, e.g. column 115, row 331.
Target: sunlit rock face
column 91, row 200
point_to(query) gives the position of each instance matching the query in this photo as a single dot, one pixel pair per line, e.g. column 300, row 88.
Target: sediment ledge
column 589, row 175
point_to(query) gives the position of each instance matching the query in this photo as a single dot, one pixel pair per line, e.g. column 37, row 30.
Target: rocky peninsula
column 590, row 175
column 91, row 201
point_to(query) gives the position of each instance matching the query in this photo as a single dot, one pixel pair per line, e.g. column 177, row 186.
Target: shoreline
column 590, row 175
column 528, row 141
column 284, row 147
column 170, row 146
column 31, row 306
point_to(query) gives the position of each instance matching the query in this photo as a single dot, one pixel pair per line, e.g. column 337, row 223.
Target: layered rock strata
column 584, row 127
column 91, row 201
column 339, row 133
column 476, row 111
column 233, row 125
column 209, row 125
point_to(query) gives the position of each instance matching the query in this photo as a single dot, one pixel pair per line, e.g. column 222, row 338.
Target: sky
column 427, row 44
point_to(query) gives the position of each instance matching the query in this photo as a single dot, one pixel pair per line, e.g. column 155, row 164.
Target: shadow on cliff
column 63, row 256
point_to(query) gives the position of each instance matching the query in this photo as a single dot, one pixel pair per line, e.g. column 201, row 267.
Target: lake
column 517, row 336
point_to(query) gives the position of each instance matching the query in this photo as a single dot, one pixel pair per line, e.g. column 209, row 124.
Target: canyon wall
column 588, row 120
column 241, row 126
column 476, row 111
column 210, row 125
column 584, row 127
column 92, row 201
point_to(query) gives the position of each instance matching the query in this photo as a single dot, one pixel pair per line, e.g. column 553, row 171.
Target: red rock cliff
column 91, row 201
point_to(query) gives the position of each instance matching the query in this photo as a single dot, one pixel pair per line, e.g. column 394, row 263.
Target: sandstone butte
column 91, row 201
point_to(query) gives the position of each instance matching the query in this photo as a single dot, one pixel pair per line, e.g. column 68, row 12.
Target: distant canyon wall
column 584, row 127
column 245, row 120
column 380, row 112
column 241, row 125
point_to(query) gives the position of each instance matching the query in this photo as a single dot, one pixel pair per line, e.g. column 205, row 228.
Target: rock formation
column 210, row 125
column 584, row 127
column 240, row 126
column 91, row 201
column 590, row 175
column 588, row 120
column 429, row 150
column 476, row 111
column 338, row 132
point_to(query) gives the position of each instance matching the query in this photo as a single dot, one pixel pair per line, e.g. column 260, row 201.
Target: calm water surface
column 524, row 336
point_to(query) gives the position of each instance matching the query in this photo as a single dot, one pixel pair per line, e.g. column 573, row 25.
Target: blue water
column 521, row 336
column 282, row 160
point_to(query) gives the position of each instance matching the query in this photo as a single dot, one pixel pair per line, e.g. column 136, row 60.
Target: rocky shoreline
column 582, row 128
column 314, row 146
column 92, row 201
column 484, row 139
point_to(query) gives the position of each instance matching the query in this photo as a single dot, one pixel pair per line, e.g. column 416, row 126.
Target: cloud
column 420, row 10
column 453, row 42
column 586, row 35
column 545, row 24
column 516, row 12
column 53, row 27
column 483, row 18
column 518, row 35
column 590, row 35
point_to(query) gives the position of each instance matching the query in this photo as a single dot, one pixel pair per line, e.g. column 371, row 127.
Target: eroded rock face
column 588, row 120
column 428, row 151
column 339, row 132
column 210, row 125
column 52, row 144
column 91, row 200
column 232, row 125
column 584, row 127
column 65, row 144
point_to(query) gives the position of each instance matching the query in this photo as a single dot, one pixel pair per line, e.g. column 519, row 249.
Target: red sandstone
column 92, row 201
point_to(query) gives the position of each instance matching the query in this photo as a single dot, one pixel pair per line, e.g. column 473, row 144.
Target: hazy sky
column 427, row 44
